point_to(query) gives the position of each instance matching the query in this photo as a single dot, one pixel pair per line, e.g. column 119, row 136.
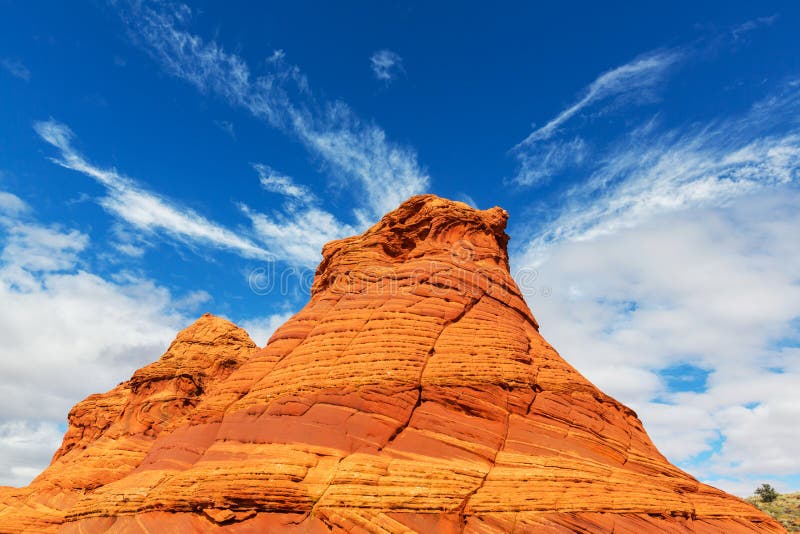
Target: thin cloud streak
column 297, row 234
column 279, row 183
column 16, row 68
column 358, row 152
column 746, row 27
column 143, row 209
column 641, row 73
column 552, row 148
column 543, row 154
column 540, row 161
column 649, row 172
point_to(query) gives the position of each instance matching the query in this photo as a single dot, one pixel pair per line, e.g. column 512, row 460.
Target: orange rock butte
column 413, row 393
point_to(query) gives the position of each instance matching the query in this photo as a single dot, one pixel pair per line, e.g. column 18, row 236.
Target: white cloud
column 648, row 172
column 57, row 324
column 192, row 300
column 298, row 234
column 277, row 56
column 358, row 152
column 387, row 173
column 540, row 156
column 539, row 161
column 746, row 27
column 262, row 328
column 12, row 204
column 38, row 248
column 143, row 209
column 294, row 234
column 25, row 450
column 16, row 68
column 678, row 248
column 276, row 182
column 714, row 287
column 386, row 65
column 68, row 333
column 466, row 199
column 554, row 147
column 642, row 73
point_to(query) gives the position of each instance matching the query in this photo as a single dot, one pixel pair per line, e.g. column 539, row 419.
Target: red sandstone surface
column 413, row 393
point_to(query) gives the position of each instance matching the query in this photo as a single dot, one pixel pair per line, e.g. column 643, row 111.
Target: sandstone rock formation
column 413, row 393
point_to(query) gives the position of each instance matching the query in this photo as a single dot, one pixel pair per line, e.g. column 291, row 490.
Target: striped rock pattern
column 413, row 393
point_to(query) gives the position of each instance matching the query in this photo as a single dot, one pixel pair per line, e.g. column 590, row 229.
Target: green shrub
column 766, row 493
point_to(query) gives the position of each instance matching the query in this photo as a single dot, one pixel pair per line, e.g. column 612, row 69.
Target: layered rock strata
column 413, row 393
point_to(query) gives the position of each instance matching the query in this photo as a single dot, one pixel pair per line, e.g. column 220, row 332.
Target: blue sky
column 158, row 160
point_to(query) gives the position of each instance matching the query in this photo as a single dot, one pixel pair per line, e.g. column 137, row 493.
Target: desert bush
column 766, row 493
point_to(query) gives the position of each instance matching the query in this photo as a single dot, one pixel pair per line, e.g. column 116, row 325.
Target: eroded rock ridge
column 413, row 393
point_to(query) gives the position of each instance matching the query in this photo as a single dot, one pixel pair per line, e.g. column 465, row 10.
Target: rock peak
column 420, row 398
column 209, row 327
column 424, row 226
column 201, row 348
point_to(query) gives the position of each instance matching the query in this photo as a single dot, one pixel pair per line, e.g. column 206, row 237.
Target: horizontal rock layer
column 413, row 393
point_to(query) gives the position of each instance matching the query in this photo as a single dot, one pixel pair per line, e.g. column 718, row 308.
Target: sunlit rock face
column 412, row 393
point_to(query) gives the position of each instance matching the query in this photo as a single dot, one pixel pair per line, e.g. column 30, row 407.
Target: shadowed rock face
column 412, row 393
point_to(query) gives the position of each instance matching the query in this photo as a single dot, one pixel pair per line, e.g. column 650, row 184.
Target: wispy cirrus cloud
column 297, row 232
column 540, row 161
column 294, row 234
column 649, row 171
column 753, row 24
column 16, row 68
column 386, row 65
column 542, row 154
column 357, row 151
column 642, row 73
column 675, row 251
column 142, row 209
column 280, row 183
column 558, row 145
